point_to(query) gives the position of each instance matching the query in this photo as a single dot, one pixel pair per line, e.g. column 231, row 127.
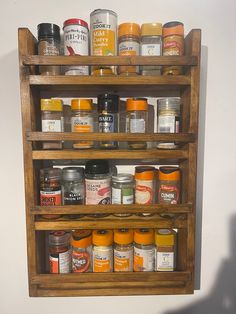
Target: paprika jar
column 123, row 250
column 169, row 185
column 81, row 255
column 102, row 251
column 165, row 249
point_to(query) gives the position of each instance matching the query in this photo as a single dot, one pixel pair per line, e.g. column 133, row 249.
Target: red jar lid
column 75, row 22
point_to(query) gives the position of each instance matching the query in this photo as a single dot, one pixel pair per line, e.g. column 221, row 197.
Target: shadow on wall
column 222, row 299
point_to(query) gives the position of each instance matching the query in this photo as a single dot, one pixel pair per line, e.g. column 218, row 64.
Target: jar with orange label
column 169, row 185
column 81, row 256
column 102, row 251
column 144, row 250
column 123, row 250
column 82, row 120
column 128, row 45
column 173, row 45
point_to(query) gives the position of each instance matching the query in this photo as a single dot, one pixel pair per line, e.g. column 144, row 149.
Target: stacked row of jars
column 121, row 250
column 150, row 40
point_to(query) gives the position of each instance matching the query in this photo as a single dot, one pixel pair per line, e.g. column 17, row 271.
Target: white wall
column 216, row 184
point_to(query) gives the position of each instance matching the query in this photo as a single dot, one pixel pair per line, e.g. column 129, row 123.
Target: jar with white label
column 102, row 251
column 123, row 190
column 165, row 249
column 144, row 250
column 123, row 250
column 168, row 119
column 145, row 182
column 151, row 45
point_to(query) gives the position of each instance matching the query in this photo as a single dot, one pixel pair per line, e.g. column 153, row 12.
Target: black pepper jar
column 108, row 118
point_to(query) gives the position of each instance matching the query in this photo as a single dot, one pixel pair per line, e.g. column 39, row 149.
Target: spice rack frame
column 33, row 87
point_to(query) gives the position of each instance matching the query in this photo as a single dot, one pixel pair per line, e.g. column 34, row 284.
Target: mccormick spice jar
column 76, row 42
column 169, row 185
column 129, row 42
column 81, row 255
column 144, row 250
column 52, row 120
column 59, row 252
column 102, row 251
column 165, row 249
column 123, row 250
column 108, row 117
column 82, row 120
column 173, row 45
column 144, row 184
column 103, row 28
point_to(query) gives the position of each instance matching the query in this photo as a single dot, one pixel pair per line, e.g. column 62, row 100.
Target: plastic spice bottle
column 49, row 45
column 59, row 252
column 52, row 120
column 144, row 185
column 165, row 249
column 108, row 117
column 173, row 45
column 168, row 119
column 151, row 45
column 128, row 45
column 137, row 119
column 123, row 250
column 82, row 120
column 169, row 185
column 102, row 251
column 81, row 256
column 144, row 250
column 50, row 189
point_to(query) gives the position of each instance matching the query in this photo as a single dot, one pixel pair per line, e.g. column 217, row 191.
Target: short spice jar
column 165, row 249
column 52, row 120
column 151, row 45
column 82, row 120
column 59, row 252
column 81, row 251
column 144, row 250
column 102, row 251
column 173, row 45
column 123, row 250
column 137, row 120
column 128, row 45
column 169, row 185
column 49, row 45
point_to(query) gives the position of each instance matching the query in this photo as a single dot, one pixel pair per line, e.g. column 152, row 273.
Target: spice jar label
column 60, row 263
column 144, row 259
column 51, row 126
column 98, row 191
column 150, row 50
column 144, row 192
column 102, row 261
column 80, row 262
column 51, row 198
column 165, row 261
column 123, row 261
column 168, row 194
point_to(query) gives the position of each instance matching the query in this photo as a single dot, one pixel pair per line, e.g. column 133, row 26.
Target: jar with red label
column 81, row 255
column 59, row 252
column 169, row 185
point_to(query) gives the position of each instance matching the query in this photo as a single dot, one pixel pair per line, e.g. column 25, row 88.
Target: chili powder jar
column 81, row 256
column 169, row 185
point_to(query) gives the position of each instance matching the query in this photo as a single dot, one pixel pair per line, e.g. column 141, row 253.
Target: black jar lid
column 108, row 102
column 48, row 30
column 97, row 166
column 172, row 24
column 140, row 169
column 168, row 169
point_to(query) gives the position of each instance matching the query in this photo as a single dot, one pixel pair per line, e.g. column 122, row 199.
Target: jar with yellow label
column 123, row 250
column 81, row 256
column 165, row 249
column 102, row 251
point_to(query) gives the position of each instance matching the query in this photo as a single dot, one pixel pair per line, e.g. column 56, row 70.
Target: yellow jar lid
column 81, row 104
column 151, row 29
column 165, row 237
column 51, row 104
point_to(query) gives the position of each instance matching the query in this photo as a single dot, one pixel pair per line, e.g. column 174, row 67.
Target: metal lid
column 59, row 237
column 50, row 173
column 123, row 177
column 172, row 103
column 72, row 173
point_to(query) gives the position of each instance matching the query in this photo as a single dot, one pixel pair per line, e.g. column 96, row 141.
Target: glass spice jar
column 169, row 185
column 102, row 251
column 123, row 250
column 165, row 250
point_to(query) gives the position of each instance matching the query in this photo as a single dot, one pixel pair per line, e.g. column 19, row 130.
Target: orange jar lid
column 165, row 237
column 123, row 236
column 144, row 236
column 169, row 173
column 144, row 173
column 102, row 237
column 136, row 104
column 51, row 104
column 81, row 104
column 173, row 28
column 81, row 238
column 151, row 29
column 128, row 29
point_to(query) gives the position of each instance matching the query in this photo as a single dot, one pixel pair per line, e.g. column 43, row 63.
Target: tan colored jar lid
column 51, row 105
column 151, row 29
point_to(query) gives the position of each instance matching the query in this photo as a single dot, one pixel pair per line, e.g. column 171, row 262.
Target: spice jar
column 144, row 250
column 123, row 250
column 128, row 45
column 108, row 117
column 50, row 189
column 169, row 185
column 151, row 45
column 144, row 185
column 168, row 119
column 59, row 252
column 165, row 249
column 52, row 120
column 137, row 119
column 173, row 45
column 49, row 45
column 102, row 251
column 76, row 42
column 82, row 120
column 81, row 256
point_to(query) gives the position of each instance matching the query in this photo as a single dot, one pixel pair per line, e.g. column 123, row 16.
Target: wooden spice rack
column 34, row 87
